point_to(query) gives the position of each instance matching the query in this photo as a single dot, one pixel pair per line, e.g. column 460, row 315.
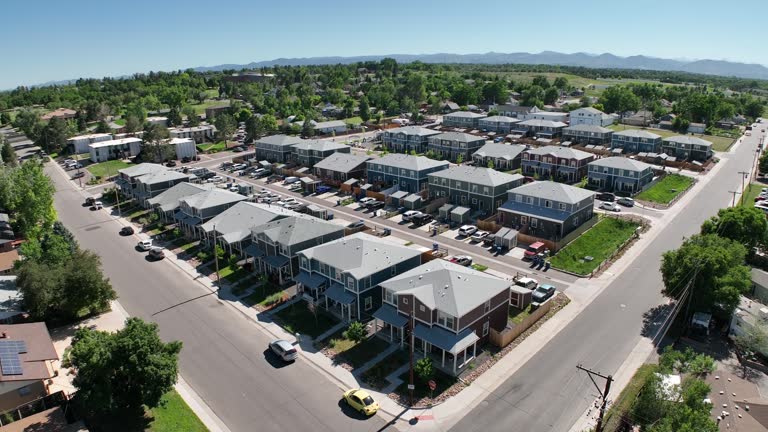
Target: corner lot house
column 29, row 354
column 81, row 144
column 407, row 139
column 450, row 145
column 498, row 124
column 504, row 157
column 231, row 229
column 197, row 209
column 115, row 149
column 462, row 119
column 588, row 134
column 340, row 167
column 563, row 163
column 636, row 141
column 310, row 152
column 151, row 185
column 454, row 309
column 619, row 174
column 167, row 203
column 343, row 276
column 590, row 116
column 480, row 188
column 333, row 126
column 199, row 134
column 542, row 128
column 127, row 178
column 409, row 173
column 687, row 147
column 277, row 148
column 546, row 209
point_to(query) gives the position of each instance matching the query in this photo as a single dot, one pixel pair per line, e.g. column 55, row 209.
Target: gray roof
column 688, row 139
column 342, row 162
column 515, row 108
column 542, row 123
column 477, row 175
column 360, row 254
column 330, row 124
column 235, row 223
column 142, row 169
column 280, row 140
column 163, row 176
column 409, row 162
column 590, row 110
column 494, row 150
column 169, row 199
column 500, row 119
column 621, row 163
column 560, row 152
column 212, row 198
column 457, row 136
column 413, row 130
column 464, row 114
column 554, row 191
column 587, row 128
column 760, row 277
column 637, row 133
column 319, row 145
column 447, row 287
column 296, row 229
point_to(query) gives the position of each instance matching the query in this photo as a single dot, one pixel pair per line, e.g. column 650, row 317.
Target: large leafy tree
column 746, row 225
column 714, row 266
column 27, row 193
column 154, row 143
column 7, row 152
column 225, row 126
column 122, row 372
column 53, row 136
column 619, row 99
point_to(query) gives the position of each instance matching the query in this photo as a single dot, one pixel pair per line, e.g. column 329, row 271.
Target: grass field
column 752, row 190
column 353, row 121
column 175, row 416
column 200, row 108
column 212, row 147
column 666, row 189
column 718, row 143
column 120, row 121
column 599, row 242
column 575, row 80
column 108, row 168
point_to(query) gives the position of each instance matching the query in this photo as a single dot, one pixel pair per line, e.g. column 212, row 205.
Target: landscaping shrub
column 355, row 332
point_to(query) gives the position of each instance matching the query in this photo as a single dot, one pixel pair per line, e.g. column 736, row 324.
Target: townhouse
column 483, row 189
column 167, row 203
column 340, row 167
column 407, row 139
column 587, row 134
column 636, row 141
column 514, row 111
column 310, row 152
column 449, row 145
column 199, row 208
column 453, row 308
column 127, row 178
column 498, row 124
column 343, row 275
column 560, row 163
column 499, row 156
column 277, row 148
column 199, row 134
column 114, row 149
column 687, row 147
column 150, row 185
column 408, row 173
column 81, row 144
column 590, row 116
column 640, row 118
column 547, row 209
column 231, row 229
column 553, row 116
column 462, row 119
column 619, row 174
column 540, row 128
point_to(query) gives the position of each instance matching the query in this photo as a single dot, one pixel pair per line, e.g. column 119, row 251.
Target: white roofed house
column 125, row 148
column 498, row 124
column 687, row 147
column 540, row 128
column 407, row 139
column 619, row 174
column 343, row 275
column 462, row 119
column 504, row 157
column 199, row 134
column 81, row 144
column 231, row 229
column 329, row 127
column 127, row 178
column 454, row 308
column 183, row 148
column 340, row 167
column 590, row 116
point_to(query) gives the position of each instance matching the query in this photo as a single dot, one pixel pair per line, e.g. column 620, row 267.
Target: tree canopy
column 746, row 225
column 27, row 194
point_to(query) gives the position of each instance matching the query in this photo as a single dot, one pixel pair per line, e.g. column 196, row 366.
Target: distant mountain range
column 609, row 61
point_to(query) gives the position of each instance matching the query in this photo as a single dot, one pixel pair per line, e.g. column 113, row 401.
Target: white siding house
column 115, row 149
column 185, row 147
column 80, row 144
column 590, row 116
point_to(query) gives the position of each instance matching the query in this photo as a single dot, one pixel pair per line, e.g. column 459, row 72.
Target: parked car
column 79, row 174
column 375, row 205
column 610, row 207
column 361, row 401
column 294, row 187
column 126, row 231
column 289, row 180
column 421, row 219
column 489, row 239
column 526, row 282
column 541, row 294
column 170, row 164
column 407, row 216
column 606, row 196
column 216, row 179
column 156, row 253
column 97, row 205
column 293, row 205
column 533, row 249
column 364, row 201
column 238, row 149
column 144, row 245
column 627, row 202
column 283, row 349
column 356, row 225
column 462, row 260
column 479, row 236
column 467, row 230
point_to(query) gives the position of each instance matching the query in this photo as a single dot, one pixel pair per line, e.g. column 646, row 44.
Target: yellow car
column 361, row 401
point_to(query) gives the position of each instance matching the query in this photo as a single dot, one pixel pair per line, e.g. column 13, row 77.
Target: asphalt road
column 548, row 393
column 224, row 356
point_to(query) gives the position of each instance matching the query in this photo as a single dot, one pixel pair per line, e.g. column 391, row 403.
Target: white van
column 289, row 180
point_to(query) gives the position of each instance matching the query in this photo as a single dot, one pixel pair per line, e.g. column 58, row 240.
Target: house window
column 523, row 220
column 474, row 200
column 486, row 327
column 562, row 206
column 389, row 296
column 548, row 204
column 368, row 303
column 394, row 270
column 445, row 320
column 422, row 308
column 351, row 284
column 487, row 306
column 518, row 198
column 405, row 300
column 534, row 222
column 338, row 274
column 529, row 200
column 304, row 263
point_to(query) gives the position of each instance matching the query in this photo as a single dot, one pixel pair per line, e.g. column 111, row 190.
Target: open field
column 666, row 189
column 108, row 168
column 599, row 242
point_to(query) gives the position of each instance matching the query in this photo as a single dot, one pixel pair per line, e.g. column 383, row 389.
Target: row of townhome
column 285, row 149
column 587, row 134
column 481, row 188
column 682, row 147
column 340, row 167
column 407, row 139
column 498, row 124
column 449, row 145
column 560, row 163
column 619, row 174
column 463, row 119
column 500, row 156
column 408, row 173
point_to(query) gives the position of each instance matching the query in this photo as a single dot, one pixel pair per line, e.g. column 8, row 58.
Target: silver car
column 283, row 349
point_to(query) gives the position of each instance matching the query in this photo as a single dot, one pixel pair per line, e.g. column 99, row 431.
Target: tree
column 132, row 124
column 244, row 115
column 598, row 106
column 27, row 193
column 225, row 126
column 459, row 159
column 746, row 225
column 154, row 145
column 7, row 153
column 307, row 130
column 533, row 96
column 124, row 371
column 192, row 118
column 763, row 165
column 53, row 137
column 174, row 117
column 561, row 83
column 103, row 127
column 355, row 332
column 5, row 118
column 619, row 99
column 541, row 81
column 496, row 91
column 754, row 339
column 685, row 362
column 550, row 95
column 490, row 163
column 714, row 268
column 365, row 109
column 424, row 369
column 84, row 287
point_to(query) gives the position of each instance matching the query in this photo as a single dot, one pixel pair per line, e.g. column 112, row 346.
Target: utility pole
column 216, row 256
column 733, row 201
column 411, row 326
column 744, row 175
column 603, row 393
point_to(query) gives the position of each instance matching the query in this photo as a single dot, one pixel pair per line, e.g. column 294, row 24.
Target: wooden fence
column 489, row 224
column 555, row 246
column 506, row 336
column 435, row 204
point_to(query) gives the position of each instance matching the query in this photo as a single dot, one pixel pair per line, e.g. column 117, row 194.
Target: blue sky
column 47, row 40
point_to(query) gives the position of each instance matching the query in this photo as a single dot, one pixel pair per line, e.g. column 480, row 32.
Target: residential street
column 223, row 357
column 548, row 393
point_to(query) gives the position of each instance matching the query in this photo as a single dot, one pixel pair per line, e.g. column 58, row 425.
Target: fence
column 489, row 224
column 33, row 407
column 674, row 200
column 506, row 336
column 435, row 204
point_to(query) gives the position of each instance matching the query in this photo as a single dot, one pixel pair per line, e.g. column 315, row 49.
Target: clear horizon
column 94, row 40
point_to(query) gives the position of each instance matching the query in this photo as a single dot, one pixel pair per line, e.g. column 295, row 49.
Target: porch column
column 358, row 307
column 326, row 301
column 443, row 362
column 391, row 334
column 424, row 345
column 454, row 364
column 402, row 336
column 474, row 349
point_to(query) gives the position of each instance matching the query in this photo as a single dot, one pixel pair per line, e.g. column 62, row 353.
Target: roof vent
column 420, row 276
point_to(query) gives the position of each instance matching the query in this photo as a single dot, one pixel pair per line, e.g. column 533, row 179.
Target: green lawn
column 353, row 121
column 120, row 121
column 479, row 267
column 356, row 354
column 212, row 147
column 599, row 242
column 264, row 294
column 752, row 190
column 666, row 189
column 442, row 379
column 200, row 108
column 108, row 168
column 377, row 374
column 298, row 318
column 516, row 316
column 175, row 416
column 719, row 143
